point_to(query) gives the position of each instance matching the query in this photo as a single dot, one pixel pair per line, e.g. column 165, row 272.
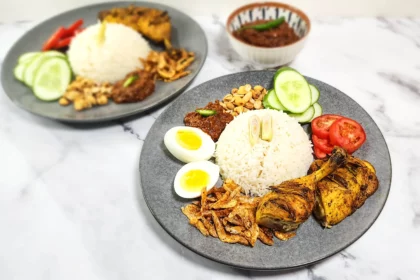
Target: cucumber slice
column 29, row 73
column 271, row 101
column 26, row 57
column 51, row 79
column 305, row 116
column 292, row 90
column 54, row 53
column 314, row 94
column 318, row 110
column 19, row 70
column 282, row 69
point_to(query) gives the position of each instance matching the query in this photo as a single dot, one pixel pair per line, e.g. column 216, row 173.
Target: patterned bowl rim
column 239, row 10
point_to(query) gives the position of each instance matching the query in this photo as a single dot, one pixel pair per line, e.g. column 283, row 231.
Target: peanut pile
column 85, row 94
column 243, row 99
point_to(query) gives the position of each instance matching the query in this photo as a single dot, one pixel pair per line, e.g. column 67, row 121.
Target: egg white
column 205, row 152
column 210, row 168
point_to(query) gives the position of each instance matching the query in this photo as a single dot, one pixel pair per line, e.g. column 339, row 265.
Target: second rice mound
column 255, row 168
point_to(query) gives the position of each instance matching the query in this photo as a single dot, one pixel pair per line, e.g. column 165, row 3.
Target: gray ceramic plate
column 186, row 33
column 312, row 243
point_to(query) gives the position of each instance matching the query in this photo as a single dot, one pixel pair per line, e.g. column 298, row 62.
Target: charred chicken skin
column 342, row 192
column 291, row 203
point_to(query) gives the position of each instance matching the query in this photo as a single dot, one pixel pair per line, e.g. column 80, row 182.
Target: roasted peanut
column 249, row 105
column 239, row 109
column 229, row 105
column 247, row 96
column 228, row 98
column 80, row 104
column 257, row 104
column 71, row 95
column 91, row 100
column 95, row 89
column 101, row 100
column 63, row 101
column 241, row 90
column 258, row 88
column 255, row 94
column 239, row 101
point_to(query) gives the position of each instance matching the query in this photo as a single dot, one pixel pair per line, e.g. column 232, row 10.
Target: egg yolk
column 188, row 139
column 194, row 180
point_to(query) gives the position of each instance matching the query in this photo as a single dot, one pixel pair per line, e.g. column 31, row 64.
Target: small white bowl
column 269, row 57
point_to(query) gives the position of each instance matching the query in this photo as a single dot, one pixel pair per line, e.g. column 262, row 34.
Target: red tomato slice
column 323, row 145
column 321, row 125
column 348, row 134
column 78, row 31
column 318, row 153
column 72, row 28
column 53, row 40
column 63, row 43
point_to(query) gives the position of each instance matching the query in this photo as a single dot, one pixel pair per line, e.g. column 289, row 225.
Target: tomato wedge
column 63, row 43
column 321, row 125
column 53, row 40
column 72, row 28
column 348, row 134
column 77, row 31
column 323, row 145
column 318, row 153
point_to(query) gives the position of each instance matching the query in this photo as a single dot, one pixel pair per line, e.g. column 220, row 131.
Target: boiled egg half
column 189, row 144
column 194, row 176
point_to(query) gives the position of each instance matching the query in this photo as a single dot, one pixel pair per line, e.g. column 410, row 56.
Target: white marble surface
column 15, row 10
column 70, row 203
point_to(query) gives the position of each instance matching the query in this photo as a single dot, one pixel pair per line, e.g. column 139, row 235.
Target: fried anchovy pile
column 226, row 213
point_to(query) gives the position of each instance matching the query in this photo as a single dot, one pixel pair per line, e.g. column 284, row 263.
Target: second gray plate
column 186, row 33
column 312, row 243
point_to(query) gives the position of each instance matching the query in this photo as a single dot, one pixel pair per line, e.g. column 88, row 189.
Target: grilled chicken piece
column 266, row 236
column 291, row 203
column 342, row 192
column 152, row 23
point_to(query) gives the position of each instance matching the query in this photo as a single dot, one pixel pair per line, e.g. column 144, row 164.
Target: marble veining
column 70, row 202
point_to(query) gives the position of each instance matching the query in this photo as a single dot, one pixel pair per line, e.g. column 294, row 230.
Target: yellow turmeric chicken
column 291, row 203
column 344, row 191
column 152, row 23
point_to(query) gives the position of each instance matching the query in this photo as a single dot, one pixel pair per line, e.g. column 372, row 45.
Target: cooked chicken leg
column 291, row 203
column 342, row 192
column 152, row 23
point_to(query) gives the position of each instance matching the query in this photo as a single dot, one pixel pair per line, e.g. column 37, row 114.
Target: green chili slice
column 206, row 113
column 265, row 26
column 130, row 80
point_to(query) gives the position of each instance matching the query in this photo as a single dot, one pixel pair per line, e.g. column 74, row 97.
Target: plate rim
column 254, row 268
column 110, row 118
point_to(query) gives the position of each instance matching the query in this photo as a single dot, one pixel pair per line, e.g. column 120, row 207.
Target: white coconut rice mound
column 255, row 169
column 110, row 60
